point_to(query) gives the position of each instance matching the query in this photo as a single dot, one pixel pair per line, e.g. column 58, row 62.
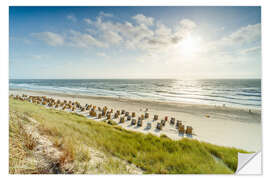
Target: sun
column 189, row 46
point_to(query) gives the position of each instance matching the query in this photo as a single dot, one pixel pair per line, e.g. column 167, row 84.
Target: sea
column 230, row 92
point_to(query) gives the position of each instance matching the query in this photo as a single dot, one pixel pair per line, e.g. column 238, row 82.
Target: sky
column 134, row 42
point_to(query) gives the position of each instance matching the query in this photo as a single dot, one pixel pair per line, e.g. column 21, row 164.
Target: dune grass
column 152, row 154
column 21, row 146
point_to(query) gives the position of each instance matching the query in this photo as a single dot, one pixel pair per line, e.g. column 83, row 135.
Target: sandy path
column 233, row 127
column 48, row 156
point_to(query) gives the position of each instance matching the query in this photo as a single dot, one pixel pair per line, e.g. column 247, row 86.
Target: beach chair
column 166, row 118
column 116, row 115
column 181, row 129
column 82, row 109
column 73, row 108
column 142, row 117
column 122, row 119
column 92, row 113
column 189, row 130
column 172, row 121
column 127, row 113
column 133, row 114
column 123, row 111
column 163, row 122
column 149, row 125
column 146, row 115
column 155, row 117
column 178, row 123
column 133, row 122
column 159, row 126
column 99, row 115
column 129, row 118
column 140, row 123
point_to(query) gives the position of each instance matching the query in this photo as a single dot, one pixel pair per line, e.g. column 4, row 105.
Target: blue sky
column 135, row 42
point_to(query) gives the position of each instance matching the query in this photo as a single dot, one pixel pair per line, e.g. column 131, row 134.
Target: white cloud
column 161, row 40
column 88, row 21
column 139, row 36
column 187, row 24
column 238, row 43
column 105, row 14
column 112, row 37
column 244, row 35
column 84, row 40
column 141, row 19
column 72, row 18
column 52, row 39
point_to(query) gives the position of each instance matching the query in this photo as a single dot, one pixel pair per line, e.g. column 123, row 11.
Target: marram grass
column 152, row 154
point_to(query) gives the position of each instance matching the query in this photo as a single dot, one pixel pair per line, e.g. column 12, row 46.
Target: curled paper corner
column 249, row 163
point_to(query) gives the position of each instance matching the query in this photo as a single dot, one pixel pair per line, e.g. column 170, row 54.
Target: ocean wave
column 164, row 90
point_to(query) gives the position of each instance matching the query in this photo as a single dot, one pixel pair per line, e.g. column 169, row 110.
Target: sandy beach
column 226, row 126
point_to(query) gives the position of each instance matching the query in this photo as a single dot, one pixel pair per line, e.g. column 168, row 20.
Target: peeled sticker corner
column 249, row 164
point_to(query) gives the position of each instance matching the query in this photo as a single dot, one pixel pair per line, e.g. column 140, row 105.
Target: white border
column 4, row 73
column 136, row 2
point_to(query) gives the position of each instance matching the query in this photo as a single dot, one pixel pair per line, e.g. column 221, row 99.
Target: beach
column 220, row 125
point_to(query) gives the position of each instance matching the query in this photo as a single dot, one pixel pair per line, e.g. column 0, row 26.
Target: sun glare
column 189, row 46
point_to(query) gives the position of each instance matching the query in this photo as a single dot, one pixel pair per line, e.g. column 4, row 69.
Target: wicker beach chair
column 149, row 125
column 172, row 121
column 166, row 118
column 189, row 130
column 133, row 121
column 140, row 123
column 159, row 126
column 116, row 115
column 155, row 117
column 99, row 115
column 133, row 114
column 122, row 119
column 146, row 115
column 178, row 123
column 163, row 122
column 181, row 129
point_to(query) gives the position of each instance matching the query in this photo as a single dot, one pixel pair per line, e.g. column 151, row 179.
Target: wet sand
column 226, row 126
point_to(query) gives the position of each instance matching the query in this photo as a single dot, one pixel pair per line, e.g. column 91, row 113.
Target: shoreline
column 227, row 126
column 144, row 101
